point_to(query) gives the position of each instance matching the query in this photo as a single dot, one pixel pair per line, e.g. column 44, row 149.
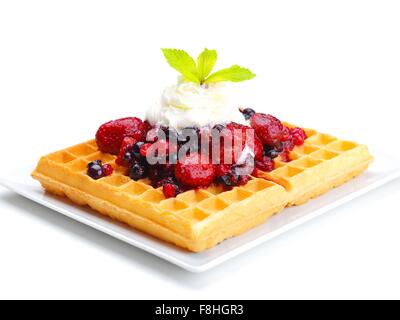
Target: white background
column 68, row 66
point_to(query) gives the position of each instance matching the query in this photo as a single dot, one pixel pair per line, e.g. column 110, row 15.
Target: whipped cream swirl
column 188, row 104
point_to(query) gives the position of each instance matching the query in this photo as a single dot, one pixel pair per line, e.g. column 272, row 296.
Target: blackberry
column 137, row 171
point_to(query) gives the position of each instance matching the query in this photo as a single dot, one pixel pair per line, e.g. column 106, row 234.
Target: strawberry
column 268, row 128
column 194, row 171
column 110, row 135
column 244, row 133
column 125, row 156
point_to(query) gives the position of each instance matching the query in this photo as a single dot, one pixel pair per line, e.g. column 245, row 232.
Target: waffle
column 195, row 220
column 323, row 162
column 200, row 219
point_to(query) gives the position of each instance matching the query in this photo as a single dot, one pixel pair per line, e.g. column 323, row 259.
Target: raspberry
column 286, row 135
column 107, row 169
column 110, row 135
column 137, row 171
column 265, row 164
column 161, row 182
column 298, row 136
column 170, row 190
column 268, row 128
column 125, row 153
column 222, row 169
column 194, row 171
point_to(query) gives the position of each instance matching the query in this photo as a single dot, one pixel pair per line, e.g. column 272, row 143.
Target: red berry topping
column 144, row 148
column 107, row 170
column 222, row 169
column 125, row 155
column 298, row 136
column 286, row 134
column 268, row 128
column 170, row 190
column 110, row 135
column 285, row 156
column 194, row 171
column 245, row 133
column 265, row 164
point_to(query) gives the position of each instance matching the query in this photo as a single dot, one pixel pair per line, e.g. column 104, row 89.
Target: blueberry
column 95, row 170
column 94, row 162
column 127, row 157
column 270, row 152
column 248, row 113
column 137, row 171
column 136, row 149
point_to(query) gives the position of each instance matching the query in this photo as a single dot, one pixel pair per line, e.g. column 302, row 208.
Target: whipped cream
column 188, row 104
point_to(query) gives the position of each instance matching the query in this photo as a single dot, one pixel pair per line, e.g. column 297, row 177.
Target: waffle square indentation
column 82, row 150
column 194, row 196
column 342, row 146
column 103, row 157
column 235, row 195
column 257, row 185
column 173, row 205
column 288, row 171
column 77, row 165
column 321, row 139
column 62, row 157
column 212, row 205
column 306, row 162
column 324, row 155
column 116, row 180
column 134, row 188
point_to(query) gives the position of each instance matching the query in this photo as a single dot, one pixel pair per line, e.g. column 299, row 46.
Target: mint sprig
column 181, row 61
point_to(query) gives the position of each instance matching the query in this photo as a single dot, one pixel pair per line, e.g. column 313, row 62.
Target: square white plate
column 383, row 170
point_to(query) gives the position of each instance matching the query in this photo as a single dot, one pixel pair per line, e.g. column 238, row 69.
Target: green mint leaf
column 205, row 63
column 234, row 74
column 182, row 62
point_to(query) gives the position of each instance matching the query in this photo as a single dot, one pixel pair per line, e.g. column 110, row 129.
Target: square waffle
column 323, row 162
column 195, row 220
column 200, row 219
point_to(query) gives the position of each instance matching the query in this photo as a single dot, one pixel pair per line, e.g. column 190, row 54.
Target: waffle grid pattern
column 200, row 219
column 321, row 157
column 192, row 205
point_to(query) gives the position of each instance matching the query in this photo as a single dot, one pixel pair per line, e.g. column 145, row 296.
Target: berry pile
column 97, row 170
column 248, row 148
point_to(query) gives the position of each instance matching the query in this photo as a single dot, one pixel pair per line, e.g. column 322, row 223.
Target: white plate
column 382, row 171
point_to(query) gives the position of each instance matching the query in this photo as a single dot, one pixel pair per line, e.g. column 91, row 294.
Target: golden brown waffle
column 196, row 219
column 200, row 219
column 322, row 163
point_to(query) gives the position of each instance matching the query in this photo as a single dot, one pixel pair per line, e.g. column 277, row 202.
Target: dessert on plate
column 199, row 168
